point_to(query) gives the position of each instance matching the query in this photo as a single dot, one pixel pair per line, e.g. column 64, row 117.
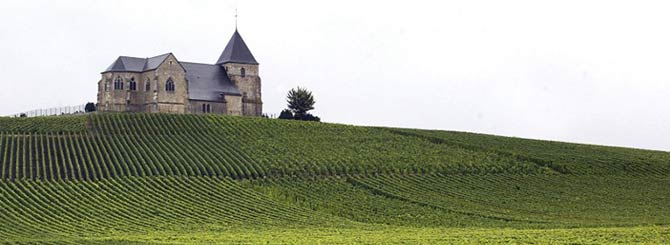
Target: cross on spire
column 236, row 19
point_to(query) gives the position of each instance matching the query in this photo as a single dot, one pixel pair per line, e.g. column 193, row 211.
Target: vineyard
column 160, row 178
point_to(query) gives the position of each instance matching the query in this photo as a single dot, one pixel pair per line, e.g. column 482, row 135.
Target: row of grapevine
column 565, row 157
column 323, row 149
column 47, row 209
column 541, row 199
column 99, row 176
column 208, row 145
column 110, row 145
column 63, row 210
column 50, row 124
column 338, row 196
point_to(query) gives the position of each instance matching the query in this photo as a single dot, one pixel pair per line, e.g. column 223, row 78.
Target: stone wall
column 156, row 99
column 249, row 85
column 195, row 107
column 171, row 101
column 234, row 104
column 119, row 100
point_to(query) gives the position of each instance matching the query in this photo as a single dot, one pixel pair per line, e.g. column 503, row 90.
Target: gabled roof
column 208, row 82
column 134, row 64
column 153, row 62
column 124, row 63
column 236, row 51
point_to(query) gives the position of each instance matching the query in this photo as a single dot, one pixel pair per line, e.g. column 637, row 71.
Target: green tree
column 300, row 101
column 286, row 114
column 90, row 107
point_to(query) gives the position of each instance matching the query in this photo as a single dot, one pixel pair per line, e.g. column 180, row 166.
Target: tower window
column 169, row 85
column 132, row 84
column 147, row 85
column 118, row 83
column 243, row 72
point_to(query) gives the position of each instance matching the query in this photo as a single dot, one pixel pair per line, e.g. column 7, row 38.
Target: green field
column 159, row 178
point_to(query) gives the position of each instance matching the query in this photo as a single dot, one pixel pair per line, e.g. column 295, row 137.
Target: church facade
column 164, row 84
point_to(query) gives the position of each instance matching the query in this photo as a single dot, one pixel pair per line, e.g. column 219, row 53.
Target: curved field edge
column 497, row 200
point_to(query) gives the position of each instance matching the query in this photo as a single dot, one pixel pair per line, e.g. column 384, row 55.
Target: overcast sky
column 579, row 71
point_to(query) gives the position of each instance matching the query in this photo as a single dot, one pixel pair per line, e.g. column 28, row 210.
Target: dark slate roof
column 134, row 64
column 153, row 62
column 236, row 52
column 208, row 82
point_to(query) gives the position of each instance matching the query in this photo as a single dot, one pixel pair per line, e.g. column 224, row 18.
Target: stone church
column 164, row 84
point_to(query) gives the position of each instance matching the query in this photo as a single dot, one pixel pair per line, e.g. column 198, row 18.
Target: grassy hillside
column 110, row 178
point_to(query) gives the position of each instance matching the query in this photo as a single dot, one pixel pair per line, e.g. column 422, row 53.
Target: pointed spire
column 236, row 52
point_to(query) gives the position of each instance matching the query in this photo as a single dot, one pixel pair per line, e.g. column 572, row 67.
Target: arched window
column 118, row 83
column 132, row 84
column 209, row 108
column 243, row 72
column 169, row 85
column 147, row 85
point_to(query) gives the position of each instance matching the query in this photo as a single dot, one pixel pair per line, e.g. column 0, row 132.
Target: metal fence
column 64, row 110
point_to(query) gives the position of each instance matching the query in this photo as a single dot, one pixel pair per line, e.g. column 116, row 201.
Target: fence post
column 53, row 111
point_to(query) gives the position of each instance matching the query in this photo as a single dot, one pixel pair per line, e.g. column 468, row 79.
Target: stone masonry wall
column 156, row 99
column 249, row 86
column 195, row 107
column 171, row 101
column 234, row 104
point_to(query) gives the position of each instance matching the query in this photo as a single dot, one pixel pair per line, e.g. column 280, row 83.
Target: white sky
column 580, row 71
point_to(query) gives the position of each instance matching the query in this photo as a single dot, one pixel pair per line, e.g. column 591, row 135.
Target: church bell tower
column 242, row 69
